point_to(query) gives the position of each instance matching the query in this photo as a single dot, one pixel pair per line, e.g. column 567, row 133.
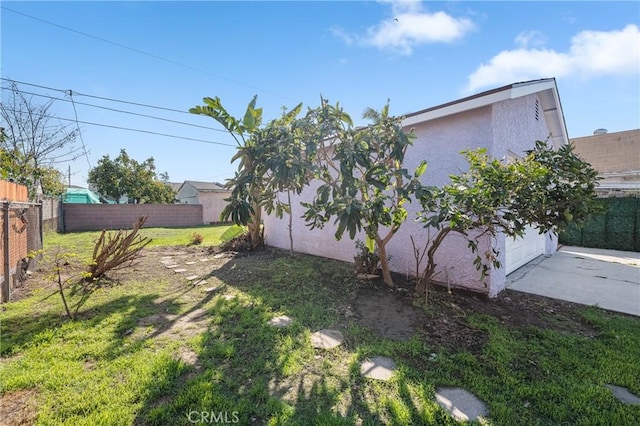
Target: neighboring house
column 210, row 194
column 506, row 121
column 616, row 157
column 174, row 185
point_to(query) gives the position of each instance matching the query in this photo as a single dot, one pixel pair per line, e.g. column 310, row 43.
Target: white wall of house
column 506, row 127
column 187, row 194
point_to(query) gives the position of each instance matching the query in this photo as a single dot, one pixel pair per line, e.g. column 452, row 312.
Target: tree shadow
column 243, row 367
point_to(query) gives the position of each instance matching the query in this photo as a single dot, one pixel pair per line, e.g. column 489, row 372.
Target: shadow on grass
column 251, row 371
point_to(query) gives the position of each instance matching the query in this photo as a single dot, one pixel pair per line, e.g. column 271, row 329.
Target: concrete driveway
column 609, row 279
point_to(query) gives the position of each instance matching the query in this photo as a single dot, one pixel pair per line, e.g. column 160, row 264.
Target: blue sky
column 355, row 52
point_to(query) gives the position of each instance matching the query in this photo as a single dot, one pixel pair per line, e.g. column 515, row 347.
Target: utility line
column 121, row 110
column 84, row 147
column 76, row 93
column 141, row 131
column 142, row 52
column 145, row 131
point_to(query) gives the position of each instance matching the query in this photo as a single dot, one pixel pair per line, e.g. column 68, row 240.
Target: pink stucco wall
column 212, row 205
column 508, row 126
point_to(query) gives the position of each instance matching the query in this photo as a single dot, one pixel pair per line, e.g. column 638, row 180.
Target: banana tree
column 252, row 186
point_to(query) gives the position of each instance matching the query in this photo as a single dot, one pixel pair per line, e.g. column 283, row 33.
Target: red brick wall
column 17, row 229
column 95, row 217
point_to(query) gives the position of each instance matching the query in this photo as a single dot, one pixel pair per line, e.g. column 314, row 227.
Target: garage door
column 523, row 250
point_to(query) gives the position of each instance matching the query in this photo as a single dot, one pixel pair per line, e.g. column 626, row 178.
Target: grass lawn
column 150, row 347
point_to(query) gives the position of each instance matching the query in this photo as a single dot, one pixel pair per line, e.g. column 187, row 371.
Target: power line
column 141, row 131
column 97, row 97
column 122, row 111
column 145, row 131
column 75, row 113
column 142, row 52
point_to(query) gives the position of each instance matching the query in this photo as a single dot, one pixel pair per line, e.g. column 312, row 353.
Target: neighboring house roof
column 174, row 185
column 617, row 152
column 546, row 89
column 78, row 195
column 204, row 186
column 615, row 156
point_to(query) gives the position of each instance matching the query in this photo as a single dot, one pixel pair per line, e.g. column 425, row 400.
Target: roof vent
column 600, row 132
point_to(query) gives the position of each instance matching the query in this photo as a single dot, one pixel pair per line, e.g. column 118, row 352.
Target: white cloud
column 408, row 27
column 592, row 53
column 530, row 38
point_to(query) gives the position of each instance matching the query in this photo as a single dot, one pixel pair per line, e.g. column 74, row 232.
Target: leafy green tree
column 253, row 185
column 124, row 176
column 289, row 157
column 364, row 183
column 547, row 189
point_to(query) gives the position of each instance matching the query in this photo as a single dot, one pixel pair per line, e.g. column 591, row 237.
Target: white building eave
column 547, row 92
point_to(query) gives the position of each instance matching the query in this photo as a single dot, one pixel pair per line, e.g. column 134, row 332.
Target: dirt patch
column 18, row 407
column 389, row 314
column 444, row 319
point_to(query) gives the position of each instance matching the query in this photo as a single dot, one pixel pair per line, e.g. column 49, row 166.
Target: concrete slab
column 623, row 395
column 379, row 368
column 609, row 279
column 326, row 339
column 178, row 271
column 461, row 404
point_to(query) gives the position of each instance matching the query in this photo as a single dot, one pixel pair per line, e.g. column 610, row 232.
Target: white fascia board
column 516, row 91
column 456, row 108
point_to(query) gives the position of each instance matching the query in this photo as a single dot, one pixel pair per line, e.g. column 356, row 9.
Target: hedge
column 618, row 228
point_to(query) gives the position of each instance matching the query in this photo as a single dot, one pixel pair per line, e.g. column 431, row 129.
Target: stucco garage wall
column 439, row 142
column 515, row 140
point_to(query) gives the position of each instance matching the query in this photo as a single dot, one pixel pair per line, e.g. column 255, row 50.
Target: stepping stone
column 190, row 263
column 171, row 266
column 204, row 260
column 461, row 404
column 220, row 255
column 200, row 282
column 379, row 368
column 210, row 289
column 192, row 277
column 180, row 270
column 229, row 297
column 623, row 395
column 281, row 321
column 326, row 339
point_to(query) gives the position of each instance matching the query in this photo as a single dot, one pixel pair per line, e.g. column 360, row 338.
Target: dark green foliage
column 124, row 176
column 617, row 228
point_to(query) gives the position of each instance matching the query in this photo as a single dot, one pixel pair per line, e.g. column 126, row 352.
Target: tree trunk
column 254, row 227
column 384, row 263
column 290, row 222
